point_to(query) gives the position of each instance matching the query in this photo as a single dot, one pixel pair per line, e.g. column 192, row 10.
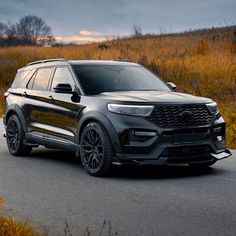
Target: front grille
column 168, row 116
column 204, row 150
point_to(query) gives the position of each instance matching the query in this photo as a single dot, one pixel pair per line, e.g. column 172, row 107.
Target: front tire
column 96, row 150
column 15, row 137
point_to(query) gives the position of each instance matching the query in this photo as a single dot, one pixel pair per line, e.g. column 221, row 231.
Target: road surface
column 51, row 190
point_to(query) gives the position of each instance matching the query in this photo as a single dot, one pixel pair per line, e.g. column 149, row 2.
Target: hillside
column 200, row 62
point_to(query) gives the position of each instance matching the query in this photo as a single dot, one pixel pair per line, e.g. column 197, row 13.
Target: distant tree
column 32, row 29
column 2, row 30
column 137, row 31
column 2, row 33
column 10, row 35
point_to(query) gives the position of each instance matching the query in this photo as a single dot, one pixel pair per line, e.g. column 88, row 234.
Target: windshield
column 97, row 79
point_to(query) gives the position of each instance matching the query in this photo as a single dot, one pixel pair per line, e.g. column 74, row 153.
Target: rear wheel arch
column 15, row 110
column 15, row 137
column 9, row 114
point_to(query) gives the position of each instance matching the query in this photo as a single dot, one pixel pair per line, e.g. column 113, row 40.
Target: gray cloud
column 68, row 17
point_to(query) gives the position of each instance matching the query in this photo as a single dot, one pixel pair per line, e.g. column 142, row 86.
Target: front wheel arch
column 94, row 116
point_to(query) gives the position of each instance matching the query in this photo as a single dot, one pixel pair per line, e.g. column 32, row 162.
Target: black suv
column 110, row 112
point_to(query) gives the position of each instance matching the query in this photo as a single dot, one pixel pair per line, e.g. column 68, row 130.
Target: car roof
column 63, row 62
column 101, row 62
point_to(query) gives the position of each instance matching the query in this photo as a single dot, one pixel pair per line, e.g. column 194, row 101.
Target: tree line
column 30, row 30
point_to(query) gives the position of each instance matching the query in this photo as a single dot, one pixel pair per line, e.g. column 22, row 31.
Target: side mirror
column 63, row 88
column 171, row 85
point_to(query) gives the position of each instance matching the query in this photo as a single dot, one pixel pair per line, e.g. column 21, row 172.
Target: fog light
column 145, row 133
column 219, row 138
column 217, row 130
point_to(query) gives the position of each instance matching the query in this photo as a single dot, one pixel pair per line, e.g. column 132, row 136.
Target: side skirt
column 50, row 141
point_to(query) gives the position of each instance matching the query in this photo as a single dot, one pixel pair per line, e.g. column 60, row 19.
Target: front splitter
column 222, row 155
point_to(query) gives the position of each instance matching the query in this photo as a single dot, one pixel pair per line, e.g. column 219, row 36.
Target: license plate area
column 188, row 138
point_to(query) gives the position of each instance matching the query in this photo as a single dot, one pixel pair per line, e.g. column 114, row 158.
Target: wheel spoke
column 12, row 135
column 94, row 163
column 97, row 140
column 89, row 137
column 88, row 140
column 89, row 157
column 100, row 156
column 88, row 151
column 87, row 145
column 10, row 131
column 92, row 150
column 11, row 141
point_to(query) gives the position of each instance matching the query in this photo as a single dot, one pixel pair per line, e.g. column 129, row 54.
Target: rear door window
column 41, row 79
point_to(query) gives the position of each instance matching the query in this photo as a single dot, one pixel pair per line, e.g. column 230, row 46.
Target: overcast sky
column 86, row 20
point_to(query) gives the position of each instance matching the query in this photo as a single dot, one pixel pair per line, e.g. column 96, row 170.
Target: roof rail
column 123, row 59
column 45, row 61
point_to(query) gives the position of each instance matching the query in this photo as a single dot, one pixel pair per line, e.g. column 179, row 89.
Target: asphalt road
column 50, row 188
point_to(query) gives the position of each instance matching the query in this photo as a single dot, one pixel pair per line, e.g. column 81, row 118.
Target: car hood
column 154, row 96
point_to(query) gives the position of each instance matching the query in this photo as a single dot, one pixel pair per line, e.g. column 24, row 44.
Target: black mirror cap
column 171, row 85
column 63, row 88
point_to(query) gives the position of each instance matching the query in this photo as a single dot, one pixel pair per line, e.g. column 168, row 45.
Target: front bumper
column 176, row 146
column 174, row 160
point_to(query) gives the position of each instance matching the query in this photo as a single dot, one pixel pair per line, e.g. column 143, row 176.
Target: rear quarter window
column 22, row 78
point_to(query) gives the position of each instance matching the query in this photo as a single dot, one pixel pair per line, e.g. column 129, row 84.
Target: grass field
column 201, row 63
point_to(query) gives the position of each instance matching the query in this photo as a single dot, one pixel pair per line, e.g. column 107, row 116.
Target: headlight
column 213, row 107
column 133, row 110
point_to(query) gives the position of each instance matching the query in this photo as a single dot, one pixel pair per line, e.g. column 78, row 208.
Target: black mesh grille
column 172, row 115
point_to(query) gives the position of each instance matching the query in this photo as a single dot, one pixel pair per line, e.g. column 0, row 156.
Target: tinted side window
column 41, row 79
column 62, row 76
column 21, row 79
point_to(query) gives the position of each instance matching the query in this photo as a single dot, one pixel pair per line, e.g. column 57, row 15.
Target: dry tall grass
column 201, row 64
column 10, row 227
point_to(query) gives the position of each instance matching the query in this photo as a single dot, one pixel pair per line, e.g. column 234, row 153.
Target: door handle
column 24, row 94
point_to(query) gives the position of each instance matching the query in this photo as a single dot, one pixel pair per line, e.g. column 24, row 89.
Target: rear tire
column 15, row 137
column 96, row 150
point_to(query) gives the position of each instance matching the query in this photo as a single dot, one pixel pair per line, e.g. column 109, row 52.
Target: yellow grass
column 200, row 65
column 10, row 227
column 1, row 201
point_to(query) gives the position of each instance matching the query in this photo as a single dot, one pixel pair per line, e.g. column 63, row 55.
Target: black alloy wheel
column 96, row 150
column 15, row 137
